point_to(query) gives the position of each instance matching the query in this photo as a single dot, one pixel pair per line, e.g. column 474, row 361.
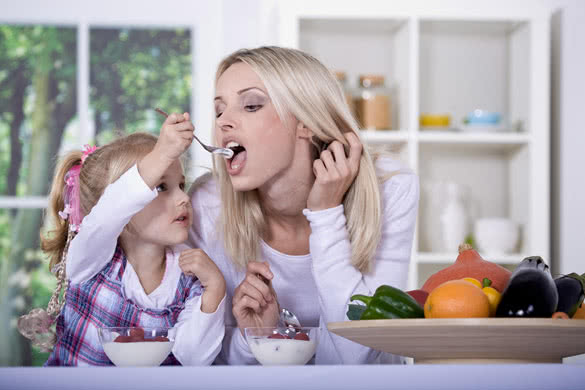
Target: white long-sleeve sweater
column 317, row 286
column 199, row 335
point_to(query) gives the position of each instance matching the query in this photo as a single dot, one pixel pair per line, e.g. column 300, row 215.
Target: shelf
column 450, row 62
column 332, row 25
column 470, row 27
column 384, row 136
column 471, row 64
column 359, row 46
column 502, row 141
column 449, row 258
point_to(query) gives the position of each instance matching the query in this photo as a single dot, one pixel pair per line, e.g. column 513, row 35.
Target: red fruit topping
column 301, row 336
column 137, row 332
column 277, row 336
column 123, row 339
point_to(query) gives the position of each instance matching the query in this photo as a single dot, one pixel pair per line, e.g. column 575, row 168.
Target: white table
column 435, row 377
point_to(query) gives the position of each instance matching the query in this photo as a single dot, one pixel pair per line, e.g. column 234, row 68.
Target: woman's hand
column 175, row 136
column 334, row 173
column 195, row 262
column 254, row 302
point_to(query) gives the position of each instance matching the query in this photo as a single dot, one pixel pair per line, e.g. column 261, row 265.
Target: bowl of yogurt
column 273, row 346
column 136, row 346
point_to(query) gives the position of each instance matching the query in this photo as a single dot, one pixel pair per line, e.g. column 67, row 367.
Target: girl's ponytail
column 37, row 325
column 54, row 241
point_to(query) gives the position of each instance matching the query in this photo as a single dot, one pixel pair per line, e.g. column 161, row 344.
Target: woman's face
column 245, row 116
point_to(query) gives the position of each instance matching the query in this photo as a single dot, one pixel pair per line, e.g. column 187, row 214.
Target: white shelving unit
column 450, row 61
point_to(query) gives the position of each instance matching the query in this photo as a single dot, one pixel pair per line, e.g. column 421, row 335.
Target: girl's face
column 166, row 220
column 245, row 116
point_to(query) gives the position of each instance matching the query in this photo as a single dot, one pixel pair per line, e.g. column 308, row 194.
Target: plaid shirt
column 100, row 302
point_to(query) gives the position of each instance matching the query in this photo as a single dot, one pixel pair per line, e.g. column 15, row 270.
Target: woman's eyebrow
column 241, row 91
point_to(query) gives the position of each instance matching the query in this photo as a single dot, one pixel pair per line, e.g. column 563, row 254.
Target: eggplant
column 571, row 289
column 531, row 291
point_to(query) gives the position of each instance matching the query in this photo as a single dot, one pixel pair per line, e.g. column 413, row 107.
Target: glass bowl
column 136, row 346
column 273, row 346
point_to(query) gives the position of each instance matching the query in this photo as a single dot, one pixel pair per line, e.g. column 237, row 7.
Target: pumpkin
column 470, row 264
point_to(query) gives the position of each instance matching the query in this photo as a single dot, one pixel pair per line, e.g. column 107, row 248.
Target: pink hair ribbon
column 72, row 210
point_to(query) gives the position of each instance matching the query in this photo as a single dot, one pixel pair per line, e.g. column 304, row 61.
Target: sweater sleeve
column 94, row 245
column 199, row 335
column 337, row 279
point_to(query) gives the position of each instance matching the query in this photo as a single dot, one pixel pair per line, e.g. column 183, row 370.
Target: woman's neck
column 283, row 202
column 148, row 260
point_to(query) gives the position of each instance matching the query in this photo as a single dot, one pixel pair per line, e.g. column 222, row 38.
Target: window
column 69, row 77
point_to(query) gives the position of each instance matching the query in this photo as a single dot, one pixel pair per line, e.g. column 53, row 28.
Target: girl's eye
column 253, row 107
column 161, row 187
column 182, row 186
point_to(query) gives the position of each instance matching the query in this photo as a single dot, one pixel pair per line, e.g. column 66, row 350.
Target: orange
column 457, row 299
column 580, row 313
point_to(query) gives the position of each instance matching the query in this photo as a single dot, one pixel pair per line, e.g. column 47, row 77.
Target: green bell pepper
column 387, row 303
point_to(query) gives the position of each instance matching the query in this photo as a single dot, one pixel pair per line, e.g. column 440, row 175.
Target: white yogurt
column 140, row 353
column 270, row 352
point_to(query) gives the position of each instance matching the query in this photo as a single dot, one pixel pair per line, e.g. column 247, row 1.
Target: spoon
column 286, row 318
column 290, row 321
column 224, row 152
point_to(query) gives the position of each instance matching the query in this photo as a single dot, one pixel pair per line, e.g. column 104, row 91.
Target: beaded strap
column 36, row 326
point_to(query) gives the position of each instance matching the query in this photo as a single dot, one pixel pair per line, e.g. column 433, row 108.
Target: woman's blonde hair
column 301, row 86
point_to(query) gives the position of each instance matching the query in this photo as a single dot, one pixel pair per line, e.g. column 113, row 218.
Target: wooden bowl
column 470, row 340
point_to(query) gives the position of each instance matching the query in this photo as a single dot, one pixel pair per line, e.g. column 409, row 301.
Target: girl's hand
column 334, row 173
column 175, row 136
column 195, row 262
column 255, row 302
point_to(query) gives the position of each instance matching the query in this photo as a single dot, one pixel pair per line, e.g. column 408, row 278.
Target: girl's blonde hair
column 101, row 168
column 301, row 86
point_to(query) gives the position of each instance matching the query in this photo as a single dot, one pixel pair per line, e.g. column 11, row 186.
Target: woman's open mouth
column 237, row 162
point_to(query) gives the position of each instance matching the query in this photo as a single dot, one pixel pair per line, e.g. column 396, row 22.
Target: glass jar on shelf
column 372, row 101
column 341, row 78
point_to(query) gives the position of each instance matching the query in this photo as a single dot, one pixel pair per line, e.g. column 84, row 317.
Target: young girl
column 120, row 215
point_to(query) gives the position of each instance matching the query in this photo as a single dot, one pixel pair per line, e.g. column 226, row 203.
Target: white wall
column 248, row 24
column 568, row 136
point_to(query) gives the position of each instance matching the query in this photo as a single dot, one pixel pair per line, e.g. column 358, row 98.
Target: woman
column 301, row 216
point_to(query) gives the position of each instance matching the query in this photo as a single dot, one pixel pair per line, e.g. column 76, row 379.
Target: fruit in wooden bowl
column 457, row 299
column 470, row 264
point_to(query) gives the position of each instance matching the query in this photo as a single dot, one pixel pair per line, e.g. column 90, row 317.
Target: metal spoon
column 224, row 152
column 286, row 318
column 289, row 320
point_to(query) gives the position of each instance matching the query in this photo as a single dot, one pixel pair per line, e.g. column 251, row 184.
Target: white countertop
column 365, row 377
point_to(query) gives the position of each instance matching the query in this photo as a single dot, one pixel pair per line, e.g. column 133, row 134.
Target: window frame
column 202, row 18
